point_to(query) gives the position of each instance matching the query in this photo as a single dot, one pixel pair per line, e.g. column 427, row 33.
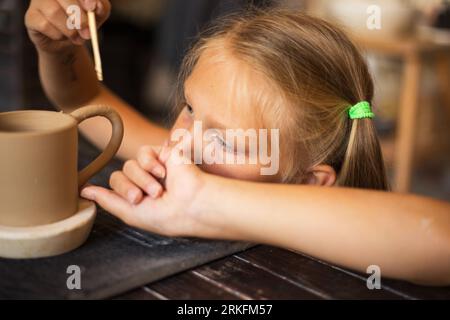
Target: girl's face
column 219, row 95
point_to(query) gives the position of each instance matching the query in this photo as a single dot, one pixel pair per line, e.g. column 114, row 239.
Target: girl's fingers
column 111, row 202
column 125, row 188
column 164, row 154
column 148, row 160
column 142, row 178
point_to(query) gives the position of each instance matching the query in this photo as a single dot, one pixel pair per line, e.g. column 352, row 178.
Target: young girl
column 261, row 70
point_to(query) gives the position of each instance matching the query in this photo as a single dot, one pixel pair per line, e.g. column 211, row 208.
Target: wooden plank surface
column 190, row 285
column 321, row 278
column 265, row 272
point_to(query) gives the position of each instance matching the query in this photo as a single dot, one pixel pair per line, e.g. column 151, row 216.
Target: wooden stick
column 95, row 47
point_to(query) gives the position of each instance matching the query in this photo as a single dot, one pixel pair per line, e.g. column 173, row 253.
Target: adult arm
column 69, row 80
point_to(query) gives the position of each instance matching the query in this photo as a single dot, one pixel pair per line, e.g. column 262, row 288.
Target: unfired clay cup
column 39, row 182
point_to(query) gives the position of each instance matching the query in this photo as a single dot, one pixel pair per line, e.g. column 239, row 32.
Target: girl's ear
column 321, row 175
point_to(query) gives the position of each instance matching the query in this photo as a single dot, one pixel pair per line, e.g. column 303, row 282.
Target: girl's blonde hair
column 319, row 73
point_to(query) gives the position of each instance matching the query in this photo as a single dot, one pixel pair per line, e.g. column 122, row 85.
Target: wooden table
column 266, row 272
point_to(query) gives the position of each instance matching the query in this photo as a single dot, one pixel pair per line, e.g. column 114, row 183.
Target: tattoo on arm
column 69, row 62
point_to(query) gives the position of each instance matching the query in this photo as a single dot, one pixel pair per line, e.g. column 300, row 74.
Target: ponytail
column 363, row 165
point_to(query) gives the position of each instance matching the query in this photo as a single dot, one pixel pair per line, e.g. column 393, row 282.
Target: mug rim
column 60, row 128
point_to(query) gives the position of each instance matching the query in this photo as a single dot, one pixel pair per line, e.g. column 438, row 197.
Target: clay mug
column 39, row 182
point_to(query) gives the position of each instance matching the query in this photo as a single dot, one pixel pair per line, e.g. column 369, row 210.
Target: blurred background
column 143, row 42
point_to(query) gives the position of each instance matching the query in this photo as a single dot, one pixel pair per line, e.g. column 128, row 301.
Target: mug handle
column 95, row 166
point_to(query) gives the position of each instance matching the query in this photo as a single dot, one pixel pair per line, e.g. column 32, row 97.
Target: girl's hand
column 174, row 212
column 46, row 22
column 140, row 177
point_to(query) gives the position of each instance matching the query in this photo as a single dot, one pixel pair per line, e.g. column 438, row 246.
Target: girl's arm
column 407, row 236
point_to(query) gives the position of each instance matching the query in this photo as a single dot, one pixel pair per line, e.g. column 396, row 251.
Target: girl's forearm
column 407, row 236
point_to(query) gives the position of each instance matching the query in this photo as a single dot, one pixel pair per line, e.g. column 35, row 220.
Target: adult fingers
column 102, row 9
column 83, row 30
column 57, row 16
column 36, row 22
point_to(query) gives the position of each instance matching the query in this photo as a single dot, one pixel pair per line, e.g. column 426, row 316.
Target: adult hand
column 46, row 22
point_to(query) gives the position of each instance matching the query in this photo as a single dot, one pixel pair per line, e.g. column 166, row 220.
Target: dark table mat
column 115, row 258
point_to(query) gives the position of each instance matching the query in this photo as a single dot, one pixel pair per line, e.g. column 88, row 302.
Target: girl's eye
column 189, row 109
column 223, row 144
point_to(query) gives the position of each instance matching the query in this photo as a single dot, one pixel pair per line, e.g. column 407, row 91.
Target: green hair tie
column 361, row 110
